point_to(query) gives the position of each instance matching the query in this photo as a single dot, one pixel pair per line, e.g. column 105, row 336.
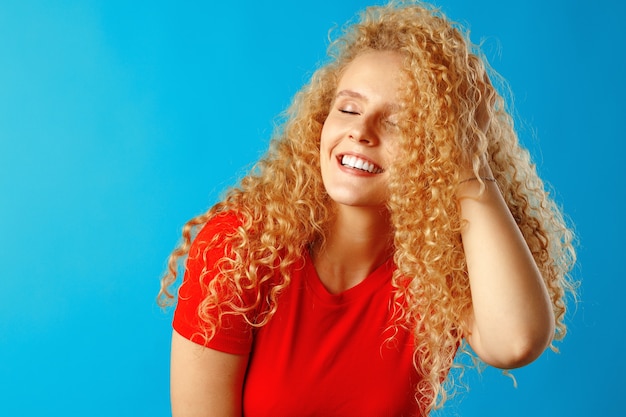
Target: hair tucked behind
column 452, row 117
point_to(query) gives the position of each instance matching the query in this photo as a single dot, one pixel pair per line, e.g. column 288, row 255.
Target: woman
column 394, row 218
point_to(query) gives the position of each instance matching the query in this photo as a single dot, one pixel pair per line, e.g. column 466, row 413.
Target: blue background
column 120, row 120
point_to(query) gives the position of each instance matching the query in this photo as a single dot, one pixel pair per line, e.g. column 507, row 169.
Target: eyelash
column 387, row 123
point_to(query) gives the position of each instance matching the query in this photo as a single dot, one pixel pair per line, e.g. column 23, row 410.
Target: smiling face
column 359, row 136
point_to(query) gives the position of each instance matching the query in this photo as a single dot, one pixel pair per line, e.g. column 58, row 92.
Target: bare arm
column 512, row 321
column 205, row 382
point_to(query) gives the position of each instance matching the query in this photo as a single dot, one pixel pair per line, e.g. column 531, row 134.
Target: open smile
column 361, row 164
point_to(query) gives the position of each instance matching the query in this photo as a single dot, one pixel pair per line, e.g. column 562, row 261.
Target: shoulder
column 221, row 224
column 211, row 243
column 215, row 233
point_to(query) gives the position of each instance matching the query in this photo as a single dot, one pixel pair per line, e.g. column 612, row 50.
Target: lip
column 356, row 171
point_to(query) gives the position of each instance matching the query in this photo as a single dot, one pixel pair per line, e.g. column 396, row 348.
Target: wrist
column 474, row 187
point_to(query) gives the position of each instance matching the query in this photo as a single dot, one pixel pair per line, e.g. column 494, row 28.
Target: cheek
column 393, row 153
column 394, row 148
column 324, row 138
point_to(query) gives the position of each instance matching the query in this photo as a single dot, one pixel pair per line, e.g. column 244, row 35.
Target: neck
column 358, row 241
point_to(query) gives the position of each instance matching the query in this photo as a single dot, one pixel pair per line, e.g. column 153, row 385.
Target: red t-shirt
column 321, row 354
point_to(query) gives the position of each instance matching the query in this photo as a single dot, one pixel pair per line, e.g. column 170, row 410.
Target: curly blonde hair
column 452, row 117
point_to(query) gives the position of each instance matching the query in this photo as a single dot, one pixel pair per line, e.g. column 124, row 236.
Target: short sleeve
column 235, row 334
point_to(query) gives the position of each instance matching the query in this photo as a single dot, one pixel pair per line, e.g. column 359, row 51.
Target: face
column 359, row 137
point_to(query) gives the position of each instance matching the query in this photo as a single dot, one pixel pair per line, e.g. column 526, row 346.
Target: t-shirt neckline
column 373, row 282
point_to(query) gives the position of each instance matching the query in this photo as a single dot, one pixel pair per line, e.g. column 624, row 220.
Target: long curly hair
column 452, row 116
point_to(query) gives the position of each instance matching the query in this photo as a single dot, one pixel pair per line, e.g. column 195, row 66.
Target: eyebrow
column 351, row 93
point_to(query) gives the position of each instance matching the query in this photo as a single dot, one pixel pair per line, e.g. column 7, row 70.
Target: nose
column 362, row 133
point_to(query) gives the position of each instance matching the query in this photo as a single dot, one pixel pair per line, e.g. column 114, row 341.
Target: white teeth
column 358, row 163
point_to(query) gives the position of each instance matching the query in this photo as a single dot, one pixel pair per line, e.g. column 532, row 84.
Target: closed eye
column 390, row 124
column 346, row 111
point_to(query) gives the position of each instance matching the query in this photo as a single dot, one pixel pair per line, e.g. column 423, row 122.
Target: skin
column 511, row 320
column 360, row 123
column 205, row 382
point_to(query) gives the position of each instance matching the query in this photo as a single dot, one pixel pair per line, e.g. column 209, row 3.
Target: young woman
column 394, row 218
